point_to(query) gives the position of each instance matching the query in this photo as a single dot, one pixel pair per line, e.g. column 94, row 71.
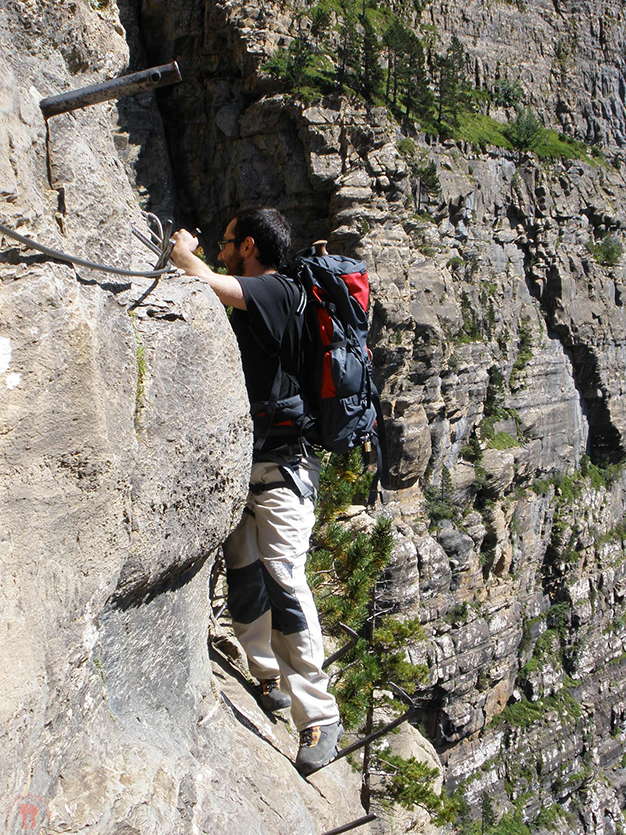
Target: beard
column 234, row 265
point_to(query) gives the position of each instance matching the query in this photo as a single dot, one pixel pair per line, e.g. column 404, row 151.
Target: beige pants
column 274, row 615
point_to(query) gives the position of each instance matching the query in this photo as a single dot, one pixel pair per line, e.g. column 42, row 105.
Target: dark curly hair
column 271, row 233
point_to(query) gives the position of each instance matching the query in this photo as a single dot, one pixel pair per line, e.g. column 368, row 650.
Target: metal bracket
column 162, row 245
column 354, row 637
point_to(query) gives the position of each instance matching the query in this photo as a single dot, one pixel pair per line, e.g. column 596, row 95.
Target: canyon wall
column 498, row 344
column 125, row 460
column 499, row 347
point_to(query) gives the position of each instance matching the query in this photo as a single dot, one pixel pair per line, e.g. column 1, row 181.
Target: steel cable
column 73, row 259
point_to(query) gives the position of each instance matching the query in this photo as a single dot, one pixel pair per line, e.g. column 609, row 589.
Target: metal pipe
column 352, row 825
column 126, row 85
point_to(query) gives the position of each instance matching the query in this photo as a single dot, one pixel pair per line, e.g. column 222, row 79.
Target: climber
column 273, row 611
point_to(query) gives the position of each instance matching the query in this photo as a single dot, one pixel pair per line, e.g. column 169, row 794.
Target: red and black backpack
column 338, row 406
column 338, row 382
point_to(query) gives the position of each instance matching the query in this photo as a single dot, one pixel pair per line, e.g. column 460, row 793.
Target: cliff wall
column 499, row 348
column 568, row 56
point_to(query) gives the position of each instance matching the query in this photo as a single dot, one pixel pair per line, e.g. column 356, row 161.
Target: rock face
column 125, row 443
column 499, row 345
column 567, row 53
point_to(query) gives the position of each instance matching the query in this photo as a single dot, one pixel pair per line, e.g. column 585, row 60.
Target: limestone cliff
column 499, row 345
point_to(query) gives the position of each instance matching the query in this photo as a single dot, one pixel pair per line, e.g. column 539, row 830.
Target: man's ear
column 248, row 246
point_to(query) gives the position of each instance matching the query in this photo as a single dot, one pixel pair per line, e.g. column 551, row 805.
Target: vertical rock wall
column 567, row 54
column 499, row 345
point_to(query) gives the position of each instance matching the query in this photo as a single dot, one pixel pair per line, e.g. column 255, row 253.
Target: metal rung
column 360, row 743
column 354, row 637
column 352, row 825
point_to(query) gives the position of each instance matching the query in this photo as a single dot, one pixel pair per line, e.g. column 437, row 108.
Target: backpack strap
column 292, row 480
column 381, row 476
column 383, row 449
column 270, row 409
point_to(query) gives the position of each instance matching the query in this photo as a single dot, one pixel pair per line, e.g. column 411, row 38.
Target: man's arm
column 226, row 288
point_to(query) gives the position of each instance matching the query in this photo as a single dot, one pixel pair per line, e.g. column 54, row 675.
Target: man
column 274, row 616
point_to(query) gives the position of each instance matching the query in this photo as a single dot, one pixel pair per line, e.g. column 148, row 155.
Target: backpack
column 338, row 406
column 337, row 378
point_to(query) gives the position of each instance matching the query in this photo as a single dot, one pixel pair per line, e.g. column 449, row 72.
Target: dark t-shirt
column 268, row 330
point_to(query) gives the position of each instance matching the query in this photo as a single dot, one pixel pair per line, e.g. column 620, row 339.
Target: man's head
column 255, row 241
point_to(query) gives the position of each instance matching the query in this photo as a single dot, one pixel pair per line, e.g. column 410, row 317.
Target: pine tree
column 464, row 817
column 526, row 132
column 488, row 816
column 298, row 58
column 419, row 96
column 320, row 21
column 452, row 85
column 344, row 573
column 428, row 184
column 393, row 40
column 349, row 51
column 446, row 484
column 372, row 71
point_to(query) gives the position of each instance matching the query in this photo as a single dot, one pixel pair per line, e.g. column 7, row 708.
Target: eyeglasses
column 223, row 244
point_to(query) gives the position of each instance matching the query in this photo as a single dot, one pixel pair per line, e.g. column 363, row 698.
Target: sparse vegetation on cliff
column 385, row 55
column 344, row 571
column 608, row 251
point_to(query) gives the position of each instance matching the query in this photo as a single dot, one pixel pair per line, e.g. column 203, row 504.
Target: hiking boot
column 318, row 747
column 270, row 696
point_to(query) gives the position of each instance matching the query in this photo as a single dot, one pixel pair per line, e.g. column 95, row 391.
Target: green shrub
column 472, row 451
column 455, row 263
column 509, row 824
column 608, row 252
column 526, row 133
column 459, row 614
column 409, row 783
column 525, row 353
column 437, row 508
column 559, row 617
column 506, row 93
column 524, row 713
column 541, row 487
column 406, row 147
column 470, row 330
column 601, row 476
